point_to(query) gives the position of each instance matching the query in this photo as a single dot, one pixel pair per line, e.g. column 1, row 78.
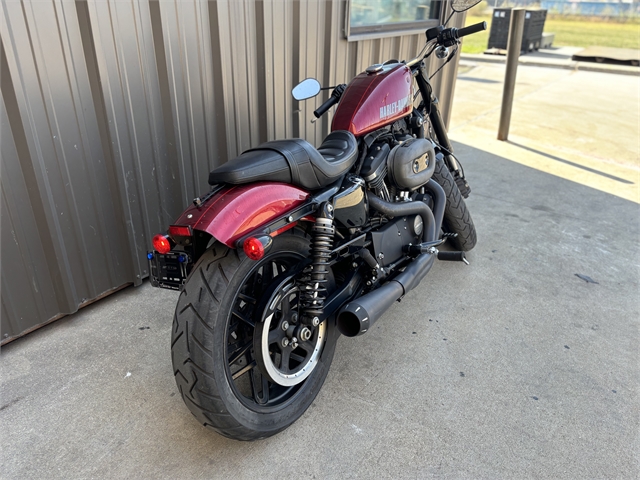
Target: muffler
column 358, row 316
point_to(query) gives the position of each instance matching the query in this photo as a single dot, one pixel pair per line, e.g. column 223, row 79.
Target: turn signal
column 254, row 247
column 161, row 244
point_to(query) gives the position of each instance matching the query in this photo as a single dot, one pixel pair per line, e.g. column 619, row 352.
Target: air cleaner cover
column 412, row 163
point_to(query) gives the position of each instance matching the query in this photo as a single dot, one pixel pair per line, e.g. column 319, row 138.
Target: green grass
column 572, row 32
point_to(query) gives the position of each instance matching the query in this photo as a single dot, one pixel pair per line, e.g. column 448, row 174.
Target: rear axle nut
column 305, row 334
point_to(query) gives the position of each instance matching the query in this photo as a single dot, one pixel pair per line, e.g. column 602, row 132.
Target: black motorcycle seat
column 294, row 161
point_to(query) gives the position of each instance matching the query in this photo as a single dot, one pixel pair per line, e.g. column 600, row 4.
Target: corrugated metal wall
column 114, row 112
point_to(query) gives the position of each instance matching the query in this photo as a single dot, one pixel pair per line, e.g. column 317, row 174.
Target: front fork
column 422, row 78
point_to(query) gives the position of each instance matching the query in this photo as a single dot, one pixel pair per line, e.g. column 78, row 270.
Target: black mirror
column 307, row 88
column 463, row 5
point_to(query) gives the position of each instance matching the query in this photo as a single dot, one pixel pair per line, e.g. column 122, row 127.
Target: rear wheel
column 457, row 218
column 232, row 364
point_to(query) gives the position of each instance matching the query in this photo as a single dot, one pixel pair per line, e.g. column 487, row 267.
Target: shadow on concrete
column 479, row 80
column 573, row 164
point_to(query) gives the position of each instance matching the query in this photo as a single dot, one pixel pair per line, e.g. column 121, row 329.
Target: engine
column 400, row 170
column 374, row 170
column 406, row 167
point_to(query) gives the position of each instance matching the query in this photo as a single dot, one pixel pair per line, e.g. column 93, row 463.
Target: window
column 378, row 18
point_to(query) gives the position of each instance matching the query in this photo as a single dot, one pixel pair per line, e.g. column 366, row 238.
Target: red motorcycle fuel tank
column 375, row 98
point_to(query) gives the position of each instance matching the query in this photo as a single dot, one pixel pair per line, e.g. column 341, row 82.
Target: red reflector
column 178, row 231
column 253, row 248
column 161, row 244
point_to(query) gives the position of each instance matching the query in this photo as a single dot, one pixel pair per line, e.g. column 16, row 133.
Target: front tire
column 457, row 218
column 213, row 348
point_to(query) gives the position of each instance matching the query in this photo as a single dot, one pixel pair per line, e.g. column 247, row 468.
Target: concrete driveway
column 524, row 364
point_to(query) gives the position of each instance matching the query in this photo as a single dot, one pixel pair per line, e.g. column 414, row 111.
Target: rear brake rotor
column 281, row 355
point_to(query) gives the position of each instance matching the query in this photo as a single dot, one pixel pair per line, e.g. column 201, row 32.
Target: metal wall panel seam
column 332, row 61
column 295, row 66
column 197, row 44
column 253, row 113
column 282, row 22
column 142, row 123
column 187, row 92
column 264, row 19
column 68, row 27
column 194, row 89
column 87, row 124
column 320, row 129
column 207, row 103
column 219, row 105
column 156, row 175
column 307, row 68
column 239, row 73
column 178, row 103
column 101, row 40
column 303, row 68
column 173, row 180
column 131, row 149
column 284, row 100
column 119, row 251
column 228, row 85
column 328, row 57
column 261, row 84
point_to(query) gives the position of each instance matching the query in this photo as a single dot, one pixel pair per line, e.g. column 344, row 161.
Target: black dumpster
column 533, row 27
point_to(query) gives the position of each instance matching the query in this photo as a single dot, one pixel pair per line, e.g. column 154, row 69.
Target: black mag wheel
column 243, row 362
column 286, row 350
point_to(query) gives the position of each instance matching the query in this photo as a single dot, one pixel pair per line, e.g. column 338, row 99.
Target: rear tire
column 457, row 218
column 212, row 326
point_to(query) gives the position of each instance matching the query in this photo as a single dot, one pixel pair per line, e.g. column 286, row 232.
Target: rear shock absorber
column 314, row 290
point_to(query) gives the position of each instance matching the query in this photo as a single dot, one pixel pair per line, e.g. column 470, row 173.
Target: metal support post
column 516, row 28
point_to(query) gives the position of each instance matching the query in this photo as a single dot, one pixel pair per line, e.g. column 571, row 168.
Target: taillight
column 179, row 231
column 161, row 243
column 254, row 247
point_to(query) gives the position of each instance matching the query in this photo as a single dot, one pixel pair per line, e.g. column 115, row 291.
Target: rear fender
column 235, row 212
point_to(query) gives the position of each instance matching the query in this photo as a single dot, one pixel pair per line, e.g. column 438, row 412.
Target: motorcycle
column 294, row 245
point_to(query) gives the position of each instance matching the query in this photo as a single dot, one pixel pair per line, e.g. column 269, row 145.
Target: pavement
column 524, row 364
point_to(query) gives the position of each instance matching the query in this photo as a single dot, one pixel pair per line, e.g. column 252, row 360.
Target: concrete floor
column 512, row 367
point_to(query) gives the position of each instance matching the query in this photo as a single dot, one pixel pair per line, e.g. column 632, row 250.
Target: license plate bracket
column 168, row 270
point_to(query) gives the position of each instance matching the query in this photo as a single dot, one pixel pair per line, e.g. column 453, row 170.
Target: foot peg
column 430, row 247
column 426, row 247
column 453, row 257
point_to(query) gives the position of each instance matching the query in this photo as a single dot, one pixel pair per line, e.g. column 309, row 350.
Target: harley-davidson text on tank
column 395, row 107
